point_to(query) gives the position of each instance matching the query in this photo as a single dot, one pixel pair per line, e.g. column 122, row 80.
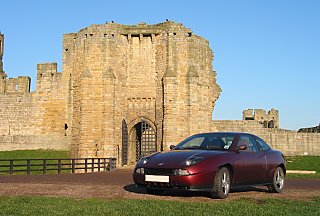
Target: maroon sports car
column 213, row 162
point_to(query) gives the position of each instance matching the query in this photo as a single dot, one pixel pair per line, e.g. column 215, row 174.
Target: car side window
column 218, row 142
column 264, row 146
column 195, row 142
column 249, row 142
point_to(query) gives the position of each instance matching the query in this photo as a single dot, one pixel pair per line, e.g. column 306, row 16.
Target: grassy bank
column 22, row 205
column 30, row 154
column 311, row 163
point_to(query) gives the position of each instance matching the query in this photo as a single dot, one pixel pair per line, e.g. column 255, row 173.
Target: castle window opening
column 174, row 33
column 66, row 50
column 65, row 128
column 189, row 34
column 265, row 124
column 96, row 150
column 91, row 35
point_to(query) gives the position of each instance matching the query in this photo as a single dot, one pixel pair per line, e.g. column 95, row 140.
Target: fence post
column 104, row 165
column 72, row 170
column 114, row 164
column 98, row 164
column 59, row 166
column 44, row 168
column 28, row 167
column 11, row 166
column 86, row 165
column 92, row 164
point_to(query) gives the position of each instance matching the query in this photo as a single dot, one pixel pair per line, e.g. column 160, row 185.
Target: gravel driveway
column 118, row 184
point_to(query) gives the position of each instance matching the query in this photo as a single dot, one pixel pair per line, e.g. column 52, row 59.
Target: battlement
column 130, row 33
column 47, row 76
column 18, row 85
column 269, row 119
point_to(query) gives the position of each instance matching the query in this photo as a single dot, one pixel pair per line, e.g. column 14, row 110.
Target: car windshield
column 214, row 141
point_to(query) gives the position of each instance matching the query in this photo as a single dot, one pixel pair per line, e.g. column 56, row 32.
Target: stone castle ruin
column 269, row 119
column 126, row 91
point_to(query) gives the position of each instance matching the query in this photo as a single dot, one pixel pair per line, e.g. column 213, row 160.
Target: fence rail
column 43, row 166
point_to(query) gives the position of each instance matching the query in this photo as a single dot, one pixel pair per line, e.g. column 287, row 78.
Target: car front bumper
column 194, row 182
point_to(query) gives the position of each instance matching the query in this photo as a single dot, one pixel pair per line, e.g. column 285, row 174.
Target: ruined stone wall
column 269, row 119
column 289, row 142
column 32, row 120
column 1, row 53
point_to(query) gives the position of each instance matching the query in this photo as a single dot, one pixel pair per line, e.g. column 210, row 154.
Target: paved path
column 119, row 184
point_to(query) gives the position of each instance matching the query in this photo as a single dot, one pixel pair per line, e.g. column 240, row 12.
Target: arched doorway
column 142, row 140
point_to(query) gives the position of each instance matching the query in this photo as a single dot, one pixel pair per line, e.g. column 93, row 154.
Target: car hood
column 176, row 158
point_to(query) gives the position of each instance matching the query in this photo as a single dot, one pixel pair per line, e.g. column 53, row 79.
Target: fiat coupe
column 213, row 162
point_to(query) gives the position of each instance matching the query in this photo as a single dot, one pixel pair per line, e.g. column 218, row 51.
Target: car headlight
column 182, row 172
column 140, row 170
column 193, row 160
column 143, row 160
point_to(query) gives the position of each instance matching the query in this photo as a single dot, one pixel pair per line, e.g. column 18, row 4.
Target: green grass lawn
column 31, row 154
column 23, row 154
column 311, row 163
column 30, row 205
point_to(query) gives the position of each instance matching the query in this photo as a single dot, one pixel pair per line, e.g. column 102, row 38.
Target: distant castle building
column 126, row 91
column 269, row 120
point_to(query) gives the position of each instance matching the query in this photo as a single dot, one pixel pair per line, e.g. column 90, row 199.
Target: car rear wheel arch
column 278, row 180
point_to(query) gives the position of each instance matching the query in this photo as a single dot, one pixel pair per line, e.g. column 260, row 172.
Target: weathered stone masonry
column 159, row 76
column 289, row 142
column 33, row 120
column 126, row 91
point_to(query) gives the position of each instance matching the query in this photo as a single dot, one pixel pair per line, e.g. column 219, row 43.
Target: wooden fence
column 65, row 165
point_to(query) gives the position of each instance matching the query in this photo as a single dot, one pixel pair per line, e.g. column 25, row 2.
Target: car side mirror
column 241, row 147
column 172, row 147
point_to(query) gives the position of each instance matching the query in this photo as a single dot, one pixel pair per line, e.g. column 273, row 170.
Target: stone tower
column 2, row 73
column 1, row 51
column 137, row 89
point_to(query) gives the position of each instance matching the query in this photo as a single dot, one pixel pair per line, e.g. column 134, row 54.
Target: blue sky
column 267, row 53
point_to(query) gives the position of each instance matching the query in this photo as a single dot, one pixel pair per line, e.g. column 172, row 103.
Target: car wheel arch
column 283, row 168
column 230, row 168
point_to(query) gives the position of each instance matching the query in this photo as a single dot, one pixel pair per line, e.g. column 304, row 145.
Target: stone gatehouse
column 137, row 89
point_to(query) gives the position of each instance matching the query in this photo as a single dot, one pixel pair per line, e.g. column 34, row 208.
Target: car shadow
column 181, row 193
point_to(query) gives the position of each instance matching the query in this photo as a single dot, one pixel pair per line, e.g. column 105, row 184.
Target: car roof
column 233, row 133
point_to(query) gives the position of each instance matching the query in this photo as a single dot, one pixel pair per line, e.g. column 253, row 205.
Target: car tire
column 222, row 184
column 154, row 191
column 277, row 181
